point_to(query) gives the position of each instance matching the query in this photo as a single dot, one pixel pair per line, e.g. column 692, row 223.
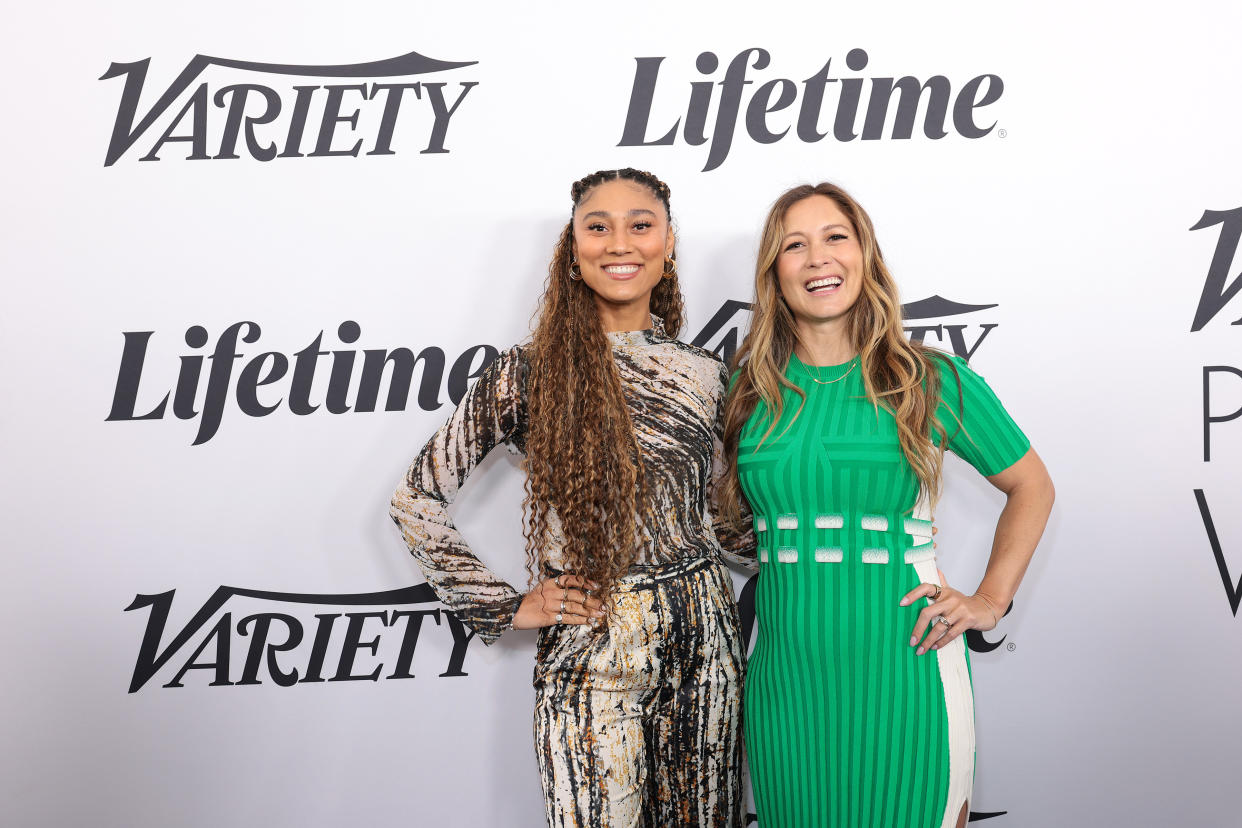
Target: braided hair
column 582, row 456
column 666, row 299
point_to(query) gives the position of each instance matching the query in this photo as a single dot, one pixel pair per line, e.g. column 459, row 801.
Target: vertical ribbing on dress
column 845, row 725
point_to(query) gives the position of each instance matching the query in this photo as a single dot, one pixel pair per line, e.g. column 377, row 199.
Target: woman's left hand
column 961, row 612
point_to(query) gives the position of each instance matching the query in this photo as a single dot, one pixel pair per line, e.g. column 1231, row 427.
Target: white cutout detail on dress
column 829, row 555
column 786, row 521
column 787, row 554
column 875, row 556
column 876, row 523
column 763, row 556
column 761, row 524
column 829, row 521
column 918, row 528
column 919, row 554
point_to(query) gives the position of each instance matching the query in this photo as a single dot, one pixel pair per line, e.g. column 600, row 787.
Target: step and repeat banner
column 255, row 253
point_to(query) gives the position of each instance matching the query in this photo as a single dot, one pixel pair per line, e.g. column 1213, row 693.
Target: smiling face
column 819, row 265
column 621, row 238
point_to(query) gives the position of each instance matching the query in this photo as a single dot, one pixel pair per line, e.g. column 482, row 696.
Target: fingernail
column 935, row 646
column 919, row 651
column 903, row 602
column 913, row 640
column 599, row 613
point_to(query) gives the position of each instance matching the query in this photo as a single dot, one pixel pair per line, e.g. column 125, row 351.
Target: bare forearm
column 1018, row 531
column 1028, row 492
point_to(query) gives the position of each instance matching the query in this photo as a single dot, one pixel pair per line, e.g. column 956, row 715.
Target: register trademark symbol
column 1011, row 646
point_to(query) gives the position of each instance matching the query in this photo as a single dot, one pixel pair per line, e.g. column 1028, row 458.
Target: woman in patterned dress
column 859, row 708
column 640, row 658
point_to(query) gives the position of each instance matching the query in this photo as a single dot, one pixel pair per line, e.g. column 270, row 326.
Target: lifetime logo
column 270, row 380
column 764, row 126
column 400, row 375
column 394, row 367
column 274, row 121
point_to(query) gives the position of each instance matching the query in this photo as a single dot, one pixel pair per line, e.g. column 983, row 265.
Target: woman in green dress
column 859, row 710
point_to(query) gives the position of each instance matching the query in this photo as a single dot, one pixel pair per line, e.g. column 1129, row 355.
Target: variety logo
column 284, row 648
column 271, row 121
column 924, row 320
column 829, row 102
column 978, row 642
column 724, row 332
column 1218, row 291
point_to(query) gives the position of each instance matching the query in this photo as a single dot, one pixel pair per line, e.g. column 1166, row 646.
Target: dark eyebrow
column 641, row 211
column 822, row 229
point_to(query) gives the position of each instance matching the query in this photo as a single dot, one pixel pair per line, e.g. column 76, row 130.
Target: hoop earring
column 575, row 275
column 670, row 267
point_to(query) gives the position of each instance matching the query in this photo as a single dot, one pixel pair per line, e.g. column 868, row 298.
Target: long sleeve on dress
column 493, row 411
column 737, row 543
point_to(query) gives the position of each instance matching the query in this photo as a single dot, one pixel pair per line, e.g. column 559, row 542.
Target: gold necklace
column 815, row 379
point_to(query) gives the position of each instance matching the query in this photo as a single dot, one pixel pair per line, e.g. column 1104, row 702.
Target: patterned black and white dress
column 637, row 724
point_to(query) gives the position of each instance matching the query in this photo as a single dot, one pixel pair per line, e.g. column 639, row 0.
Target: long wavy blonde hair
column 582, row 456
column 897, row 374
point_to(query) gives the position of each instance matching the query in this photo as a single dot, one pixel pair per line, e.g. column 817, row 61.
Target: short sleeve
column 979, row 429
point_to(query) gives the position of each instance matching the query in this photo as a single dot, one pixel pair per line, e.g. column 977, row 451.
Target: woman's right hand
column 565, row 599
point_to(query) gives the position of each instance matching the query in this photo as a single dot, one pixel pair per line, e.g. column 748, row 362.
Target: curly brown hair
column 583, row 462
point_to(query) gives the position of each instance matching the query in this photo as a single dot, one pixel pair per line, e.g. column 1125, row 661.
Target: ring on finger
column 936, row 594
column 557, row 580
column 940, row 619
column 559, row 618
column 562, row 605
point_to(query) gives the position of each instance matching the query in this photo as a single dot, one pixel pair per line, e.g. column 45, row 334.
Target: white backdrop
column 1113, row 696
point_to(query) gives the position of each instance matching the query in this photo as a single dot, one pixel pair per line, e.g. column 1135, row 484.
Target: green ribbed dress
column 845, row 725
